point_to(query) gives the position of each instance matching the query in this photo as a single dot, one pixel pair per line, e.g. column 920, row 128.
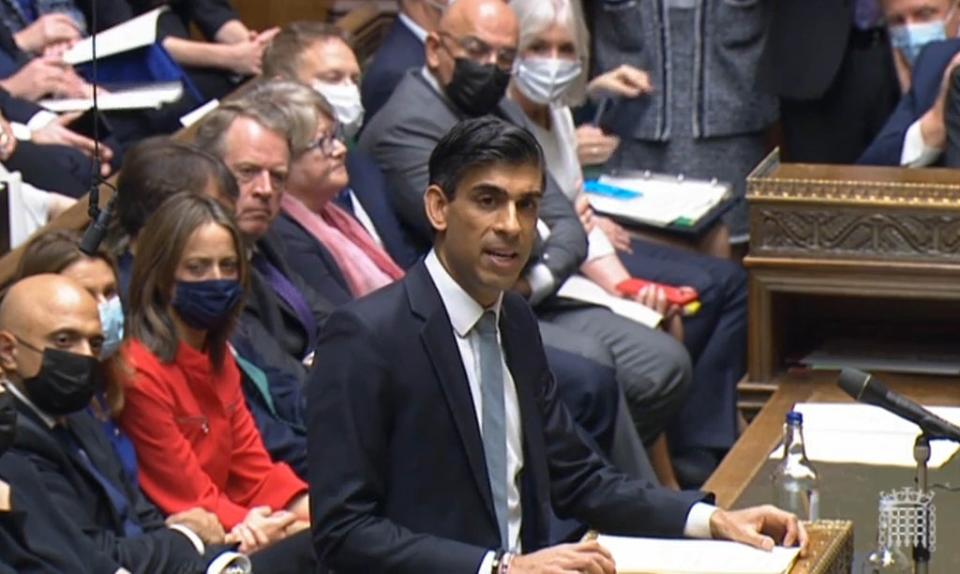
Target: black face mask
column 476, row 89
column 8, row 421
column 65, row 384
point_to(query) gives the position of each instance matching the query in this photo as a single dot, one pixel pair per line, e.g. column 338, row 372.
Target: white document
column 661, row 201
column 28, row 207
column 130, row 35
column 659, row 556
column 865, row 434
column 196, row 115
column 149, row 96
column 580, row 288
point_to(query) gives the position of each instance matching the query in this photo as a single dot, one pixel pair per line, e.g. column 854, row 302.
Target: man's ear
column 432, row 49
column 8, row 352
column 435, row 203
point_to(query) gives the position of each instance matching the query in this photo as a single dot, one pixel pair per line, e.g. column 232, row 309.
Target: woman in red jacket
column 195, row 439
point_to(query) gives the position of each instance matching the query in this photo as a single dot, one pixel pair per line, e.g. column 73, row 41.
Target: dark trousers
column 590, row 392
column 838, row 127
column 716, row 338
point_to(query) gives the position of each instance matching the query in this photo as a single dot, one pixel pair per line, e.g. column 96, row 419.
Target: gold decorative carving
column 856, row 233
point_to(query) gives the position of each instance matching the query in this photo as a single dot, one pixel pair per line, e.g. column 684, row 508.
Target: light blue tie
column 494, row 417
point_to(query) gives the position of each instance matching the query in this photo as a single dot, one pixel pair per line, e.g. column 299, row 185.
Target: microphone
column 97, row 230
column 864, row 388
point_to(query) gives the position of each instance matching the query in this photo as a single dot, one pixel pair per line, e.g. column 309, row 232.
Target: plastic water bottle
column 795, row 482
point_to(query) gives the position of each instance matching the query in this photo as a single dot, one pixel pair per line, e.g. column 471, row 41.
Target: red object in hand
column 675, row 295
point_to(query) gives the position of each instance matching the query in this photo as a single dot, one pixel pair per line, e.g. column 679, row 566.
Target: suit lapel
column 441, row 347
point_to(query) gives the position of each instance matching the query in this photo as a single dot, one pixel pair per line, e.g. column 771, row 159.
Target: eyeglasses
column 328, row 143
column 479, row 51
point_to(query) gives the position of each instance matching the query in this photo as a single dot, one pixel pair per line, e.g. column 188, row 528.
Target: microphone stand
column 921, row 454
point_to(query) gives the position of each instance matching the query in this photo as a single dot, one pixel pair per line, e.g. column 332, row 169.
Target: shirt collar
column 464, row 311
column 47, row 419
column 415, row 28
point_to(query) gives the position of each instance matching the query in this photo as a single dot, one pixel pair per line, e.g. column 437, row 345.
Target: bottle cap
column 793, row 417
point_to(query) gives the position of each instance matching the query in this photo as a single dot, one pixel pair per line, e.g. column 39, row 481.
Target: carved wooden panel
column 818, row 231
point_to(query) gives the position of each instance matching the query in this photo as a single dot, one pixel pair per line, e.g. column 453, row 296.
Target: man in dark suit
column 400, row 51
column 452, row 446
column 35, row 538
column 830, row 63
column 252, row 136
column 915, row 135
column 474, row 37
column 48, row 353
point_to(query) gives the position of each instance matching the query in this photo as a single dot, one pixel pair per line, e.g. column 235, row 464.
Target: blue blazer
column 399, row 52
column 372, row 191
column 927, row 75
column 398, row 481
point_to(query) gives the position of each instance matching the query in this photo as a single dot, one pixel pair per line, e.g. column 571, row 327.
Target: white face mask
column 345, row 99
column 545, row 80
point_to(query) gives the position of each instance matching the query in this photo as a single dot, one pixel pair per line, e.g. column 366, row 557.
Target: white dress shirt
column 464, row 313
column 915, row 151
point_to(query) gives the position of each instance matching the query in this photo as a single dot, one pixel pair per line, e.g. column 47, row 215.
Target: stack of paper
column 582, row 289
column 865, row 434
column 658, row 556
column 655, row 200
column 150, row 96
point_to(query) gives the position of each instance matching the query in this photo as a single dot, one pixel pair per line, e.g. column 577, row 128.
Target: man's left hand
column 759, row 526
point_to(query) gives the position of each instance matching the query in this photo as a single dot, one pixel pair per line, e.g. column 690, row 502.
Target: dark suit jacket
column 265, row 308
column 399, row 52
column 925, row 81
column 370, row 187
column 312, row 260
column 401, row 138
column 805, row 47
column 79, row 496
column 398, row 481
column 35, row 536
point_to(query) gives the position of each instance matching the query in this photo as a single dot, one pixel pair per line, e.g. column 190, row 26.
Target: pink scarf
column 363, row 263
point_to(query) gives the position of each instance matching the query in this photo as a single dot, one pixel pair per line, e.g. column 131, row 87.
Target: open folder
column 661, row 556
column 655, row 199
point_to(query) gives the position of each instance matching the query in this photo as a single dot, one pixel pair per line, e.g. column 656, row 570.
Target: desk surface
column 741, row 478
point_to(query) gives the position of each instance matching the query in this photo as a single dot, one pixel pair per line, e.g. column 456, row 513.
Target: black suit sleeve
column 351, row 400
column 16, row 109
column 952, row 120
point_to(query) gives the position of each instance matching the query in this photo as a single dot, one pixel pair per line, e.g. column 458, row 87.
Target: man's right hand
column 586, row 557
column 260, row 528
column 46, row 30
column 932, row 123
column 203, row 523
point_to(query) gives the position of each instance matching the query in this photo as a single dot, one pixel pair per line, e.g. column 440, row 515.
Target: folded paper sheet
column 658, row 556
column 582, row 289
column 130, row 35
column 865, row 434
column 144, row 97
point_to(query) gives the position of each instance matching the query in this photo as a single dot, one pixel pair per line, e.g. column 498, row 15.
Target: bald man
column 50, row 338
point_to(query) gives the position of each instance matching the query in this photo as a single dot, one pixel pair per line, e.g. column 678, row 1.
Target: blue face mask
column 911, row 38
column 111, row 320
column 206, row 304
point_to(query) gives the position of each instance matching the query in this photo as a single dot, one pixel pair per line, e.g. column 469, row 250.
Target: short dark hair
column 480, row 142
column 154, row 268
column 282, row 56
column 159, row 167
